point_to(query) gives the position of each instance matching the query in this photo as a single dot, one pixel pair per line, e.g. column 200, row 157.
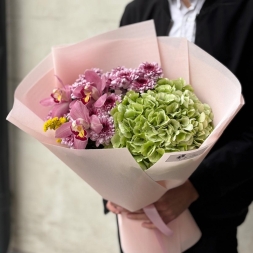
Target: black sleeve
column 129, row 14
column 231, row 165
column 225, row 169
column 105, row 208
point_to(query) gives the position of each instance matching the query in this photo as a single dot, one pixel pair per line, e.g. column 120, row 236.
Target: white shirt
column 184, row 19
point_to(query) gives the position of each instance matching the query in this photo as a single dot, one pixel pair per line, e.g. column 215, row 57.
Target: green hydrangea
column 168, row 118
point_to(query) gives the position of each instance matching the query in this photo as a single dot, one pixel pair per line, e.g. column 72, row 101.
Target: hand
column 170, row 205
column 114, row 208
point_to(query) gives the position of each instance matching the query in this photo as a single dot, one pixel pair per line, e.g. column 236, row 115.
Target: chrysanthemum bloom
column 101, row 108
column 119, row 78
column 141, row 84
column 145, row 76
column 150, row 70
column 105, row 135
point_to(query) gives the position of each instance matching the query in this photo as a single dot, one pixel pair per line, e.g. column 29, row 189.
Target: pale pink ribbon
column 156, row 219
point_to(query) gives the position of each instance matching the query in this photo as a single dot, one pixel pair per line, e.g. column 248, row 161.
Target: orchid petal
column 79, row 110
column 103, row 85
column 82, row 122
column 71, row 104
column 92, row 77
column 94, row 93
column 60, row 109
column 47, row 101
column 77, row 92
column 63, row 131
column 78, row 144
column 100, row 102
column 95, row 124
column 67, row 92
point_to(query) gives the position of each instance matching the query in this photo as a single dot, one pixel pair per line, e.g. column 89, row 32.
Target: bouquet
column 133, row 108
column 130, row 173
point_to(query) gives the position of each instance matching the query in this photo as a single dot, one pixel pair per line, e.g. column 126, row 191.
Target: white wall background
column 53, row 210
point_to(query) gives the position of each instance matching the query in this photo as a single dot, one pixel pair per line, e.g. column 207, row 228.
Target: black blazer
column 224, row 180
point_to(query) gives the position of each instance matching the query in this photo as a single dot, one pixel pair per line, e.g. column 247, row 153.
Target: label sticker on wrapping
column 187, row 155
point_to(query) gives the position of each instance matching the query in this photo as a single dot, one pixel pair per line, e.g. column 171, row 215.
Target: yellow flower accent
column 58, row 140
column 54, row 123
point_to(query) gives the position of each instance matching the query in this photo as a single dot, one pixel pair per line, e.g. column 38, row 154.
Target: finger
column 121, row 209
column 137, row 216
column 137, row 212
column 167, row 216
column 148, row 225
column 110, row 206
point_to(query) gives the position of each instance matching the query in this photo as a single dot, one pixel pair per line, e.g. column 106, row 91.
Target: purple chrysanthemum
column 81, row 81
column 145, row 77
column 107, row 132
column 150, row 70
column 110, row 101
column 98, row 71
column 119, row 78
column 68, row 141
column 141, row 84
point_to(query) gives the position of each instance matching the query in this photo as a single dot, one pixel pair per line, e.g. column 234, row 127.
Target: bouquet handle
column 154, row 216
column 136, row 239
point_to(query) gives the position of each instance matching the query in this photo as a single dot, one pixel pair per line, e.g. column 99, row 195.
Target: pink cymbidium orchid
column 59, row 100
column 93, row 89
column 80, row 125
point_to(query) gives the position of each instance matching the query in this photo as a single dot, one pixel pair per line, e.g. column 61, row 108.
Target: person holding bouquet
column 220, row 191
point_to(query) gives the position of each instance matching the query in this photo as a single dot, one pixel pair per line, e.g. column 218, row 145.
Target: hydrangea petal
column 170, row 116
column 156, row 155
column 115, row 140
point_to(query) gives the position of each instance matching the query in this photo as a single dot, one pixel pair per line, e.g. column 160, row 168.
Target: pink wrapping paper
column 113, row 173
